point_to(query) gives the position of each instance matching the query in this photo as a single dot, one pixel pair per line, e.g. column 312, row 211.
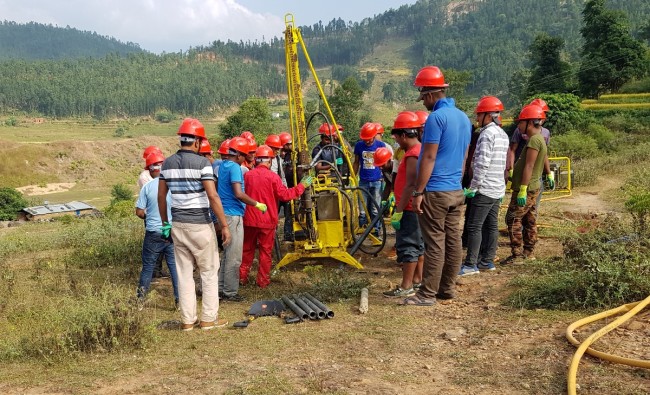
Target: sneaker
column 232, row 298
column 529, row 255
column 514, row 260
column 398, row 292
column 468, row 271
column 188, row 327
column 208, row 325
column 486, row 266
column 140, row 303
column 417, row 286
column 391, row 254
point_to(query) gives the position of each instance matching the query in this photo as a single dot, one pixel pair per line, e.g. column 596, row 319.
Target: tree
column 11, row 202
column 610, row 55
column 253, row 115
column 346, row 102
column 549, row 74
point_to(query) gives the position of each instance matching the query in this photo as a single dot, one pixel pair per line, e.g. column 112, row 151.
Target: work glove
column 469, row 193
column 510, row 175
column 306, row 181
column 391, row 199
column 384, row 203
column 396, row 220
column 522, row 195
column 339, row 161
column 551, row 180
column 261, row 206
column 166, row 230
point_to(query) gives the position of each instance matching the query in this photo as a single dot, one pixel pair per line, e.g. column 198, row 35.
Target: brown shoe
column 208, row 325
column 188, row 327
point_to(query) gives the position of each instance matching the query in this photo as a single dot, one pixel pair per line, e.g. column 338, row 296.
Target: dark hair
column 187, row 143
column 407, row 132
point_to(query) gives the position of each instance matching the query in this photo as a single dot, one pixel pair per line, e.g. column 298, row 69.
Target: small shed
column 48, row 211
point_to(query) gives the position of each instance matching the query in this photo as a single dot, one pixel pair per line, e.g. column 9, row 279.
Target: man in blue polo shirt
column 438, row 194
column 370, row 176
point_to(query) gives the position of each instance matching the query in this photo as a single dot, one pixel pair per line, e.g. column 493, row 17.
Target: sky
column 175, row 25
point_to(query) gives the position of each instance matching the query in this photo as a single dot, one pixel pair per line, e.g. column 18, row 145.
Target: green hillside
column 34, row 41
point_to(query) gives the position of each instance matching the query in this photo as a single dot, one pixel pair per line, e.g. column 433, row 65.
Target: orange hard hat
column 273, row 141
column 205, row 147
column 247, row 135
column 531, row 112
column 239, row 144
column 153, row 158
column 285, row 138
column 149, row 150
column 407, row 120
column 430, row 76
column 380, row 128
column 223, row 148
column 381, row 156
column 489, row 104
column 368, row 131
column 264, row 151
column 422, row 116
column 192, row 127
column 541, row 103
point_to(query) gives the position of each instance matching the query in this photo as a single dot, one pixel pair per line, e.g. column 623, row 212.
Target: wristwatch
column 416, row 193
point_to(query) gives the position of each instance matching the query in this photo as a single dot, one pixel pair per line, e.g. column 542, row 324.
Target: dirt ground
column 471, row 345
column 32, row 190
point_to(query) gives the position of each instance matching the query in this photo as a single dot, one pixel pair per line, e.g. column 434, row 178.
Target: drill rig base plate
column 341, row 256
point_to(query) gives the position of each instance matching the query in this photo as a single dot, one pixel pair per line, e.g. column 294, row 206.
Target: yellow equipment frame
column 325, row 207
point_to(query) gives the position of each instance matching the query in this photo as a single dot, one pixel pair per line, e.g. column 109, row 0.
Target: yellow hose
column 630, row 310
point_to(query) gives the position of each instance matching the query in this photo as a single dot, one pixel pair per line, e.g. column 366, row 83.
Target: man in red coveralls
column 265, row 186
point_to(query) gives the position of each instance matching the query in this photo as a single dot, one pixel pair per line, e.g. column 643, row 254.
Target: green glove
column 384, row 203
column 166, row 230
column 522, row 195
column 306, row 181
column 551, row 180
column 396, row 219
column 469, row 193
column 339, row 161
column 510, row 175
column 391, row 199
column 261, row 206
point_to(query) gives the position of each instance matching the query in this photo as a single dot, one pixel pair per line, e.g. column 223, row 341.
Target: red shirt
column 265, row 186
column 400, row 180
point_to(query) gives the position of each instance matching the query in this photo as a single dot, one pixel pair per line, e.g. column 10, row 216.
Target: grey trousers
column 482, row 230
column 231, row 257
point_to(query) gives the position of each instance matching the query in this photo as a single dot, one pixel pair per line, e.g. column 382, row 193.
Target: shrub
column 121, row 192
column 565, row 112
column 11, row 121
column 637, row 86
column 606, row 267
column 604, row 137
column 120, row 131
column 164, row 116
column 11, row 202
column 575, row 145
column 120, row 209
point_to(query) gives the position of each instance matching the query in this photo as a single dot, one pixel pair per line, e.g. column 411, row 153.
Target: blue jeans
column 374, row 193
column 152, row 247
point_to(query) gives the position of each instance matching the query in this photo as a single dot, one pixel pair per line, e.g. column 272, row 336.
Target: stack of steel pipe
column 307, row 306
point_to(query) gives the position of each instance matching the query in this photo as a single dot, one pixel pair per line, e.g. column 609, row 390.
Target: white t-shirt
column 144, row 178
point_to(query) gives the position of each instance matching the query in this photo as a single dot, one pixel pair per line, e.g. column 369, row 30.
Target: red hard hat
column 380, row 128
column 247, row 135
column 541, row 103
column 422, row 116
column 489, row 104
column 273, row 141
column 239, row 144
column 252, row 145
column 430, row 76
column 223, row 148
column 285, row 138
column 153, row 158
column 407, row 120
column 368, row 131
column 328, row 129
column 192, row 127
column 531, row 111
column 149, row 150
column 205, row 147
column 264, row 151
column 381, row 156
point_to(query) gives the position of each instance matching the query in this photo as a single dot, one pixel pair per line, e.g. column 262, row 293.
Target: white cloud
column 157, row 25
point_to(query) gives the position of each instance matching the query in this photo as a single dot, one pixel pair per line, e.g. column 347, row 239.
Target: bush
column 11, row 121
column 604, row 137
column 637, row 86
column 120, row 131
column 565, row 112
column 164, row 116
column 607, row 267
column 121, row 192
column 11, row 202
column 575, row 145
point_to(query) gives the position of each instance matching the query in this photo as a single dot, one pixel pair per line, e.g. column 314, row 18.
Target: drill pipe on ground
column 328, row 313
column 319, row 313
column 293, row 307
column 312, row 314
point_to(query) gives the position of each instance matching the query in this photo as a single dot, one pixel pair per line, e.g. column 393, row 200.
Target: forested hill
column 489, row 38
column 35, row 41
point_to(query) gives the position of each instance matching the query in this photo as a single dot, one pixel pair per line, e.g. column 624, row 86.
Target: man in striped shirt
column 190, row 179
column 486, row 188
